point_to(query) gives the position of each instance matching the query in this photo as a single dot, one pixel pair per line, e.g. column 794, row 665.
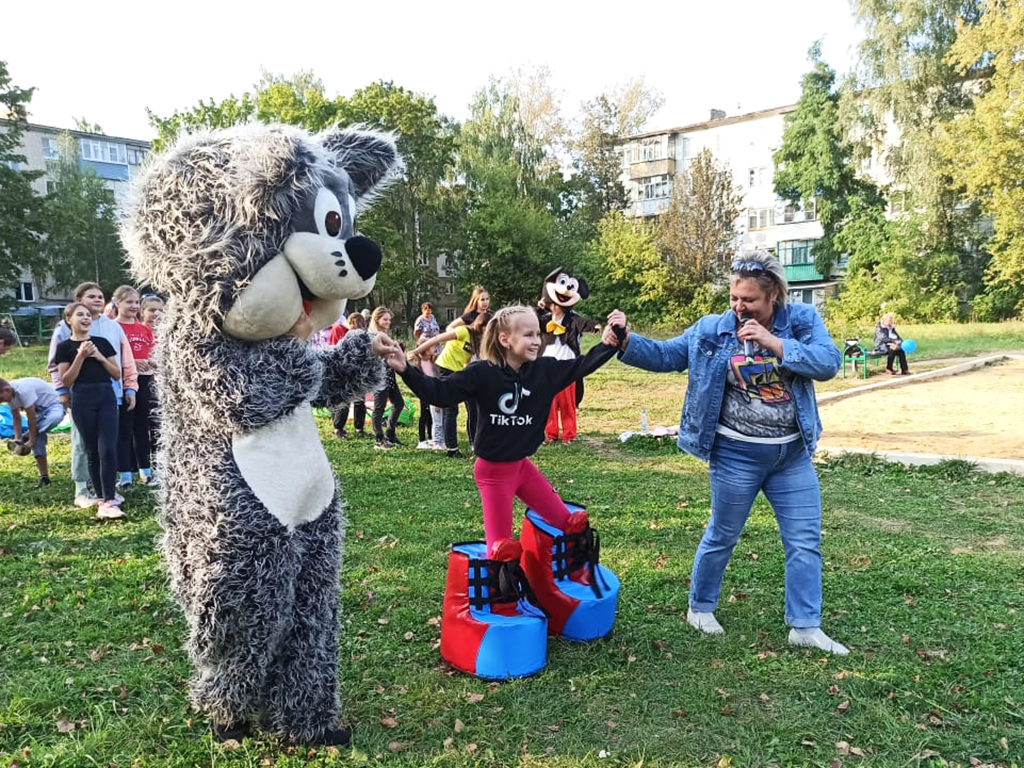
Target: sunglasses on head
column 741, row 265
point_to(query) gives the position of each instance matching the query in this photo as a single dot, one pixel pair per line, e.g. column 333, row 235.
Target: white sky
column 108, row 60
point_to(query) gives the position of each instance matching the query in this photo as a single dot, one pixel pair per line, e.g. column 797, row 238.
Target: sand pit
column 976, row 414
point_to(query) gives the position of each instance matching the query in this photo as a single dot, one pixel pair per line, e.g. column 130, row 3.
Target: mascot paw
column 234, row 731
column 332, row 737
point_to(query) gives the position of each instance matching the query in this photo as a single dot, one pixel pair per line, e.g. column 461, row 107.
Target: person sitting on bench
column 889, row 343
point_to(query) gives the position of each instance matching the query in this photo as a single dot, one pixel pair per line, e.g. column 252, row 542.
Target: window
column 807, row 210
column 760, row 218
column 449, row 314
column 899, row 202
column 654, row 188
column 26, row 292
column 51, row 148
column 449, row 288
column 422, row 260
column 136, row 155
column 758, row 177
column 810, row 209
column 103, row 151
column 52, row 186
column 646, row 150
column 795, row 252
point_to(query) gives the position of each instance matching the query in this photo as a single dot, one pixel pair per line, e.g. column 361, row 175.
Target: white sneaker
column 86, row 500
column 705, row 622
column 815, row 638
column 118, row 499
column 108, row 511
column 425, row 445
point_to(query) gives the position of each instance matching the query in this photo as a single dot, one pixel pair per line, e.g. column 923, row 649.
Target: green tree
column 20, row 207
column 985, row 147
column 85, row 126
column 696, row 236
column 906, row 80
column 410, row 221
column 596, row 148
column 627, row 270
column 80, row 220
column 205, row 115
column 815, row 162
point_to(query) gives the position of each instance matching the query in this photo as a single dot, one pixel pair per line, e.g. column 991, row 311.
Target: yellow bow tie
column 556, row 328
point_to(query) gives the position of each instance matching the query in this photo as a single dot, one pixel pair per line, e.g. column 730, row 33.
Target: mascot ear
column 370, row 158
column 584, row 289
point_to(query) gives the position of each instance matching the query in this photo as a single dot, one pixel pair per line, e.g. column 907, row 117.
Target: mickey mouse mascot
column 561, row 328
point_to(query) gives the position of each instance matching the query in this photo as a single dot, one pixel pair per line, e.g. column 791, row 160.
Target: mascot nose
column 365, row 255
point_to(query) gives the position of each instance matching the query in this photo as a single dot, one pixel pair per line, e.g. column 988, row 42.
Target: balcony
column 648, row 168
column 801, row 273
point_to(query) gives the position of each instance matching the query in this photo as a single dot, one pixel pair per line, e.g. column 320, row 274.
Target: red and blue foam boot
column 579, row 594
column 489, row 627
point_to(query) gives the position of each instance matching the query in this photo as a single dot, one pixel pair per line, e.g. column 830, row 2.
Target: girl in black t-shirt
column 87, row 365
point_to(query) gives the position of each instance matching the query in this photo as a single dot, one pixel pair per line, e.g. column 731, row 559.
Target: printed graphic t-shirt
column 758, row 405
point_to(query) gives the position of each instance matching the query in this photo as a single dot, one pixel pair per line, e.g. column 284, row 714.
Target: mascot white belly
column 285, row 465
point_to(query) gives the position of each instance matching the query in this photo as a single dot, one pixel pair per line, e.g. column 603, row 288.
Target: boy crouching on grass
column 43, row 411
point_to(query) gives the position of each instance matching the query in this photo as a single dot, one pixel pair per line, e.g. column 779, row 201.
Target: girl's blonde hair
column 356, row 321
column 121, row 294
column 378, row 313
column 69, row 310
column 503, row 321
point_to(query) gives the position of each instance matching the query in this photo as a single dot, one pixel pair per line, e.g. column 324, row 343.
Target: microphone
column 748, row 345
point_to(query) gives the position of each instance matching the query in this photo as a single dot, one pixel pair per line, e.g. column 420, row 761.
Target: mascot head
column 249, row 228
column 563, row 289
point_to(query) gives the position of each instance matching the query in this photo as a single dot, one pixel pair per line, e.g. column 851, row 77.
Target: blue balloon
column 908, row 346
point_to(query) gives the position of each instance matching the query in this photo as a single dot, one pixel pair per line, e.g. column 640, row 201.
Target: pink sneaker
column 108, row 511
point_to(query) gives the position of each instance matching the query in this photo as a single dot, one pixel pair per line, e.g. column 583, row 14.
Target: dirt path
column 976, row 414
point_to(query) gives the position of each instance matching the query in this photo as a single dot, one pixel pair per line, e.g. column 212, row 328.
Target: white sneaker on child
column 425, row 445
column 108, row 511
column 86, row 500
column 705, row 622
column 815, row 638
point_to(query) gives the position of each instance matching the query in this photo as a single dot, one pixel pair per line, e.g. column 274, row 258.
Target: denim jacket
column 705, row 349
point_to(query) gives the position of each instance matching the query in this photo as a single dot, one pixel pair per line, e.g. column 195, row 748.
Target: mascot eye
column 563, row 280
column 332, row 223
column 327, row 214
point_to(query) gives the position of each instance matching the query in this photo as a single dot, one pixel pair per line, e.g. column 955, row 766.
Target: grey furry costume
column 250, row 233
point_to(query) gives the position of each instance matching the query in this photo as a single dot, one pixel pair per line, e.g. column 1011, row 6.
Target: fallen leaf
column 389, row 722
column 408, row 636
column 843, row 706
column 765, row 697
column 1004, row 743
column 679, row 713
column 382, row 621
column 471, row 748
column 807, row 743
column 473, row 698
column 722, row 693
column 64, row 725
column 447, row 743
column 395, row 746
column 906, row 639
column 631, row 658
column 843, row 747
column 459, row 725
column 857, row 751
column 834, row 690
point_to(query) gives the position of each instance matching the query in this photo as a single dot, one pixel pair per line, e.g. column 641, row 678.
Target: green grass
column 923, row 580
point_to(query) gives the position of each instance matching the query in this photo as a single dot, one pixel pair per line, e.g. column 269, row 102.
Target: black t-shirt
column 92, row 371
column 512, row 406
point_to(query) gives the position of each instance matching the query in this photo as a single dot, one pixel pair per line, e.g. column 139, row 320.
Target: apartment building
column 745, row 144
column 115, row 159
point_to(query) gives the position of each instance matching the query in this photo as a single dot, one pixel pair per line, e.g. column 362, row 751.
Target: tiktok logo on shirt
column 509, row 402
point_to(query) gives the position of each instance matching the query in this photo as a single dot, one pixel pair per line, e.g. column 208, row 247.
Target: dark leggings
column 380, row 402
column 133, row 449
column 426, row 421
column 339, row 415
column 451, row 415
column 94, row 409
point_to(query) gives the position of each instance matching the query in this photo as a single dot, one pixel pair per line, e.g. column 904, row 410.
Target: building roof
column 79, row 134
column 707, row 124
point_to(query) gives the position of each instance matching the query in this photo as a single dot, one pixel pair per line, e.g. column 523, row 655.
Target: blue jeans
column 46, row 419
column 785, row 473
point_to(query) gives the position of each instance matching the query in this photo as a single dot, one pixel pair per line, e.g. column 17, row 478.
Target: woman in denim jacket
column 750, row 411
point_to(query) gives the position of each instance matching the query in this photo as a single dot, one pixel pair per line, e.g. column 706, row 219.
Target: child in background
column 512, row 388
column 339, row 413
column 460, row 344
column 43, row 411
column 380, row 322
column 151, row 310
column 424, row 329
column 86, row 365
column 124, row 387
column 133, row 446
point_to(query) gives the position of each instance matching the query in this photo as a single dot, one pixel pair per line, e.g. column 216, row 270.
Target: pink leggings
column 500, row 481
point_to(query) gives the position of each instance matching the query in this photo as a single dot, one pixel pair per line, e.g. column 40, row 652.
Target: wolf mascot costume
column 249, row 232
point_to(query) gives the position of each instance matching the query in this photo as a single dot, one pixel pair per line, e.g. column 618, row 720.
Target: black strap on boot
column 573, row 551
column 505, row 581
